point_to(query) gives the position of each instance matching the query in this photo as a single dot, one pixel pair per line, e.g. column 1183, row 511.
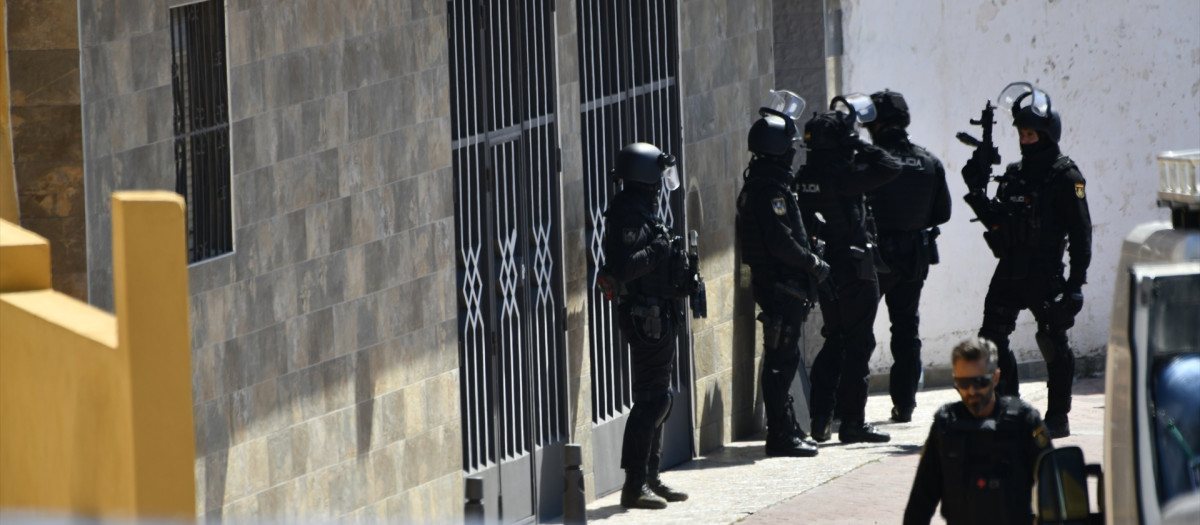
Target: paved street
column 860, row 483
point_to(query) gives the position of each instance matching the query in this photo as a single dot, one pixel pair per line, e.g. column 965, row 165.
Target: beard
column 978, row 402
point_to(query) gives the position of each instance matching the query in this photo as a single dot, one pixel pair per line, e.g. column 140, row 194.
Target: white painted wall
column 1125, row 76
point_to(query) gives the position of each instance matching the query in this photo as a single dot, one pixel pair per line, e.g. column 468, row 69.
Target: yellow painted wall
column 96, row 409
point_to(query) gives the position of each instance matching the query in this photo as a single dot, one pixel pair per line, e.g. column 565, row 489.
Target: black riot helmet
column 772, row 136
column 827, row 130
column 837, row 128
column 644, row 163
column 890, row 109
column 1031, row 109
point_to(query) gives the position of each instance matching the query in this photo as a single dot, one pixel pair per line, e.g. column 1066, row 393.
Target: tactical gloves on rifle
column 977, row 172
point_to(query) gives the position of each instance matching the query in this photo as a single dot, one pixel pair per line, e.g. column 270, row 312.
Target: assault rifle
column 698, row 300
column 986, row 154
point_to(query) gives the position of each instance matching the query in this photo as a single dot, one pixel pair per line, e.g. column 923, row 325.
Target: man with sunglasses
column 979, row 457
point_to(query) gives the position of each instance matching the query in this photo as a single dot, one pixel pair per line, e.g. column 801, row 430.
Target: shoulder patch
column 630, row 235
column 1040, row 437
column 1079, row 190
column 778, row 205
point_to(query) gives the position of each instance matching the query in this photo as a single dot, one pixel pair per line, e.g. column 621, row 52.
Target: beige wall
column 96, row 408
column 726, row 68
column 325, row 384
column 47, row 145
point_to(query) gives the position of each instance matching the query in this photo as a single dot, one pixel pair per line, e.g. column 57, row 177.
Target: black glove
column 660, row 244
column 976, row 172
column 819, row 269
column 1065, row 306
column 867, row 151
column 682, row 277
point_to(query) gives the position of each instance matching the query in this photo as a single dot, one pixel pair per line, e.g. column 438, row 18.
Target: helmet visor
column 856, row 104
column 1019, row 95
column 785, row 104
column 671, row 178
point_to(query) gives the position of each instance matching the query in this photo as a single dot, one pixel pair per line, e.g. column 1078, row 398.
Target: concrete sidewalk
column 859, row 483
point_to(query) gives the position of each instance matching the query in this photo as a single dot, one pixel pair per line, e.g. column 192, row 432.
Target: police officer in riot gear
column 784, row 269
column 980, row 454
column 907, row 212
column 840, row 169
column 1039, row 211
column 649, row 264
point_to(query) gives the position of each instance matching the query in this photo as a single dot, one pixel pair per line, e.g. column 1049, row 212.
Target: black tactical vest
column 986, row 471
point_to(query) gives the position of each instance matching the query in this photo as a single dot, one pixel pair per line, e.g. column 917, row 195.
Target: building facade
column 394, row 210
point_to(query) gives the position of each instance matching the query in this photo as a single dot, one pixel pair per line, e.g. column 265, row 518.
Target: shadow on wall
column 103, row 403
column 747, row 409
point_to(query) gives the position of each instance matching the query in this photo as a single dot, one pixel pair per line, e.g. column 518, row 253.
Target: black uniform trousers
column 901, row 290
column 842, row 368
column 781, row 363
column 1005, row 299
column 652, row 362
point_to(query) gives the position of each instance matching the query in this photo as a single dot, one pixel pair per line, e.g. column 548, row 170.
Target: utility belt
column 911, row 251
column 1021, row 265
column 652, row 317
column 867, row 261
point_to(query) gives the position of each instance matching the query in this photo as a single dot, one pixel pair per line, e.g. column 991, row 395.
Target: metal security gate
column 628, row 68
column 199, row 88
column 512, row 346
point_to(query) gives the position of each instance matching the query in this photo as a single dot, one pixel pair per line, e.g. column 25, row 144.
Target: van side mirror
column 1061, row 496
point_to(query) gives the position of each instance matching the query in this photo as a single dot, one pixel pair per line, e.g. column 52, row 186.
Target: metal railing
column 201, row 113
column 628, row 93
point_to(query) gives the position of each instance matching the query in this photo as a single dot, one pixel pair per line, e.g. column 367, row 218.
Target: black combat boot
column 861, row 433
column 1057, row 426
column 636, row 494
column 663, row 490
column 902, row 414
column 822, row 429
column 789, row 444
column 788, row 439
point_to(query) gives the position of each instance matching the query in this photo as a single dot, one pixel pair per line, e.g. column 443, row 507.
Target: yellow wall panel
column 96, row 409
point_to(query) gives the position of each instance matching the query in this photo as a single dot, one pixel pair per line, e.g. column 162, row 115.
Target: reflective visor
column 1021, row 94
column 671, row 178
column 858, row 104
column 785, row 103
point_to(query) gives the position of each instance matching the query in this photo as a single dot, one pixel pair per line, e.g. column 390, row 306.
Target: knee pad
column 996, row 336
column 651, row 408
column 1052, row 346
column 997, row 328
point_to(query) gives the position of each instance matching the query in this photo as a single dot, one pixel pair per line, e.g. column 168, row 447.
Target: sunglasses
column 965, row 383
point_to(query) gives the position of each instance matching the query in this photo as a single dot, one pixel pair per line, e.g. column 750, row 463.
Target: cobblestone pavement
column 861, row 483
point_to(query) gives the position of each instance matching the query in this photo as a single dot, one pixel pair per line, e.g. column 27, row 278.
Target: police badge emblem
column 778, row 206
column 1040, row 437
column 630, row 235
column 1079, row 190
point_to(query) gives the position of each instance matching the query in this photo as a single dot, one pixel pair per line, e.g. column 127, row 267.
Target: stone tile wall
column 799, row 27
column 726, row 66
column 43, row 71
column 325, row 347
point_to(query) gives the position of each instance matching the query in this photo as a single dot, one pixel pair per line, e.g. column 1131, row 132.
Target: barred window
column 202, row 166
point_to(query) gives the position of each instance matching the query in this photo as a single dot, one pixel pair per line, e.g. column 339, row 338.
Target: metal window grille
column 506, row 169
column 201, row 110
column 628, row 70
